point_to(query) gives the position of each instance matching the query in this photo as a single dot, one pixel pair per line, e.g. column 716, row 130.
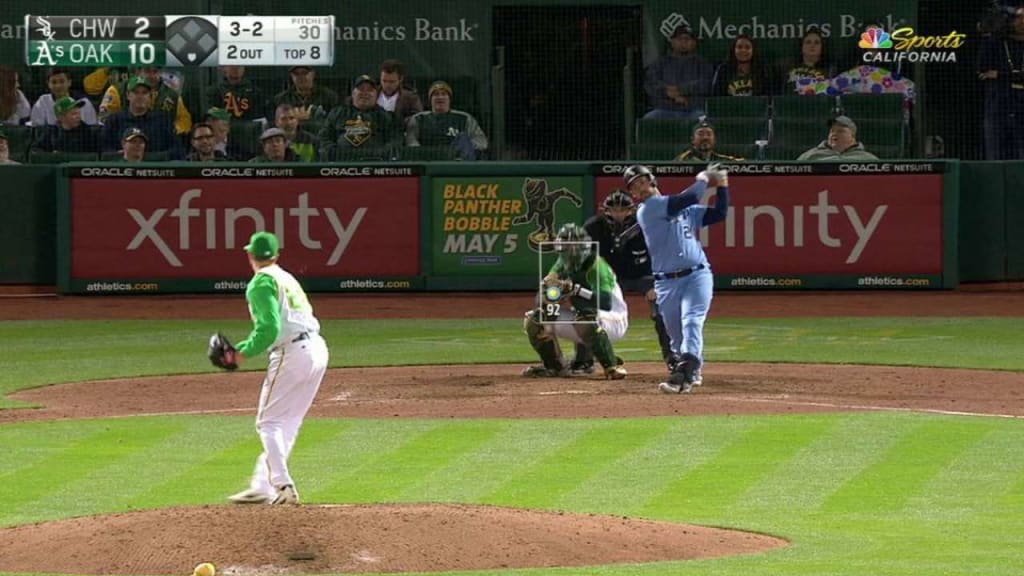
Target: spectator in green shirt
column 442, row 126
column 310, row 100
column 300, row 141
column 361, row 125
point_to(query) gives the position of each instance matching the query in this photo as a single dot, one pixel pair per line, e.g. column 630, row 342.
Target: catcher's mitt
column 221, row 352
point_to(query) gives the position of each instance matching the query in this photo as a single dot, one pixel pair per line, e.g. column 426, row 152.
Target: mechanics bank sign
column 766, row 26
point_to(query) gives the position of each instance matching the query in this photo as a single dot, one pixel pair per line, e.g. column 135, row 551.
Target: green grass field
column 856, row 493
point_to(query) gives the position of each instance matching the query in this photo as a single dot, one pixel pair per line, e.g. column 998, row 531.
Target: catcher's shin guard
column 544, row 342
column 597, row 340
column 583, row 361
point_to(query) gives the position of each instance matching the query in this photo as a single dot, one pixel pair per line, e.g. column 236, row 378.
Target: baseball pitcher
column 682, row 275
column 284, row 324
column 580, row 301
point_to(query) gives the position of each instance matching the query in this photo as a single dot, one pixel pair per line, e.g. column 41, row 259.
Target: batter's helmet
column 636, row 171
column 573, row 243
column 619, row 199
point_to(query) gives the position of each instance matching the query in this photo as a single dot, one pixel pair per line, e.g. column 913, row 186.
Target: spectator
column 275, row 147
column 96, row 82
column 14, row 107
column 841, row 145
column 811, row 66
column 156, row 125
column 219, row 120
column 310, row 100
column 238, row 95
column 363, row 124
column 5, row 150
column 1001, row 70
column 442, row 126
column 133, row 145
column 744, row 72
column 394, row 97
column 59, row 82
column 678, row 81
column 203, row 149
column 702, row 146
column 165, row 98
column 300, row 141
column 69, row 134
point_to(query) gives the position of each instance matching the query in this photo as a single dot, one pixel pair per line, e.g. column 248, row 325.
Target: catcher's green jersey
column 595, row 275
column 279, row 308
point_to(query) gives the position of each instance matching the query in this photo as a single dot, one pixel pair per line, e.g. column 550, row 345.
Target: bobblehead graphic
column 540, row 208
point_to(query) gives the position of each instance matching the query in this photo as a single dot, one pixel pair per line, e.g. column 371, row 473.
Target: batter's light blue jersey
column 672, row 240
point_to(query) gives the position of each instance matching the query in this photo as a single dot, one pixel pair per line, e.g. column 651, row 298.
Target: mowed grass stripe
column 28, row 444
column 356, row 450
column 100, row 455
column 904, row 470
column 852, row 443
column 705, row 491
column 674, row 446
column 564, row 469
column 122, row 485
column 976, row 483
column 518, row 445
column 219, row 464
column 393, row 477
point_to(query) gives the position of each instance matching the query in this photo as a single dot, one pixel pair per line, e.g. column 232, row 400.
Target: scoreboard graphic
column 179, row 41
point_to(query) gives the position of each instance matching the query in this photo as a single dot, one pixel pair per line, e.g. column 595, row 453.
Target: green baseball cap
column 137, row 81
column 218, row 114
column 262, row 245
column 66, row 104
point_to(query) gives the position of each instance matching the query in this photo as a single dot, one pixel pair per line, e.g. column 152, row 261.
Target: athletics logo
column 875, row 38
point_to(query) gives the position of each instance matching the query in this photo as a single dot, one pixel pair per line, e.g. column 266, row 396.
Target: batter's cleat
column 581, row 368
column 250, row 496
column 544, row 372
column 697, row 378
column 615, row 373
column 286, row 495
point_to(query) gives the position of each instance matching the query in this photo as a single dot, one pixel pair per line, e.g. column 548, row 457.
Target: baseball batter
column 581, row 301
column 283, row 322
column 682, row 275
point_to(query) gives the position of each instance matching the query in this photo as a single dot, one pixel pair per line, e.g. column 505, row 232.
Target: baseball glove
column 221, row 352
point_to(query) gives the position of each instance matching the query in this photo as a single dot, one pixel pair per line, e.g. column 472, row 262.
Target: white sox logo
column 226, row 220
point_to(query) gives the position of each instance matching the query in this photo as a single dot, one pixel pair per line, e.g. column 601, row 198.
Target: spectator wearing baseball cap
column 841, row 144
column 702, row 146
column 59, row 82
column 5, row 149
column 677, row 83
column 69, row 134
column 275, row 147
column 156, row 124
column 133, row 145
column 443, row 126
column 310, row 100
column 360, row 125
column 162, row 96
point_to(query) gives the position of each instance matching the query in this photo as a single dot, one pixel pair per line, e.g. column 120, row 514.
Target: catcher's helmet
column 573, row 244
column 636, row 171
column 619, row 199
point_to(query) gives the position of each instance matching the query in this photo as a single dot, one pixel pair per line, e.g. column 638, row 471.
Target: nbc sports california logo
column 671, row 22
column 905, row 44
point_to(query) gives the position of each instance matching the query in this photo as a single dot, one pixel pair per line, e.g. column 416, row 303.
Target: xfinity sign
column 219, row 227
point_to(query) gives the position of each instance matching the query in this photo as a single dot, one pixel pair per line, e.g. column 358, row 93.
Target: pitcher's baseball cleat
column 250, row 496
column 286, row 495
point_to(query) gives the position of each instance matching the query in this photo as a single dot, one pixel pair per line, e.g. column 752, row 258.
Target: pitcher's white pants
column 293, row 379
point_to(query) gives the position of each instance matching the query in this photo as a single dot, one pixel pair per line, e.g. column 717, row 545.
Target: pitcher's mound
column 259, row 539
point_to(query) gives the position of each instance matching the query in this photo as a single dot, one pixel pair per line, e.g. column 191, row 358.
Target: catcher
column 580, row 301
column 284, row 324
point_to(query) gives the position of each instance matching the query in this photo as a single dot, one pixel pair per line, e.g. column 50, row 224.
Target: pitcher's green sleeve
column 266, row 311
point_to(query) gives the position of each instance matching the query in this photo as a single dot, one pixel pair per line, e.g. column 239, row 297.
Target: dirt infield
column 426, row 537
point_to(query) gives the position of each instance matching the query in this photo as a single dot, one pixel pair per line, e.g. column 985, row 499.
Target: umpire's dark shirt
column 629, row 259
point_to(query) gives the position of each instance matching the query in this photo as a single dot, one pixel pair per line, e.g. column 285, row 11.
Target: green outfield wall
column 112, row 228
